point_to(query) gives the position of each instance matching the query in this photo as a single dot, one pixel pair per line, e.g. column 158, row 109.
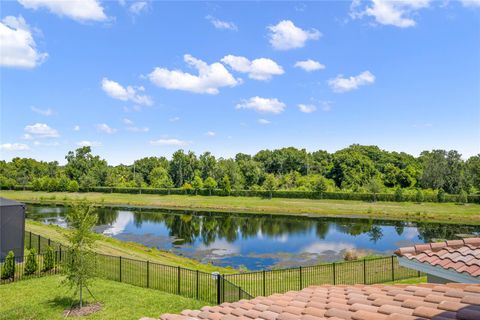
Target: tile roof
column 462, row 256
column 356, row 302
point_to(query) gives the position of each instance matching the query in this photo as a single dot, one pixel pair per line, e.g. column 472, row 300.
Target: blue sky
column 137, row 79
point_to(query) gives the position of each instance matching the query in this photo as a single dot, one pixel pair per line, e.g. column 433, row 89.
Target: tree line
column 357, row 168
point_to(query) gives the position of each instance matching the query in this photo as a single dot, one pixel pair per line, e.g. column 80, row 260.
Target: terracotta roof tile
column 462, row 256
column 356, row 302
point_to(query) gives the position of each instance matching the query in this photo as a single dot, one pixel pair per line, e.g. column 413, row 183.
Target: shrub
column 419, row 196
column 462, row 197
column 399, row 195
column 8, row 269
column 73, row 186
column 441, row 195
column 31, row 266
column 48, row 260
column 350, row 255
column 187, row 187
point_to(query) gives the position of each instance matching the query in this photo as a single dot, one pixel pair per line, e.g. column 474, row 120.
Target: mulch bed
column 84, row 311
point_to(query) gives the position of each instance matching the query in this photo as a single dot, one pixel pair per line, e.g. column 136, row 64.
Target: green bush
column 441, row 195
column 72, row 186
column 48, row 259
column 462, row 197
column 8, row 270
column 399, row 195
column 419, row 196
column 31, row 266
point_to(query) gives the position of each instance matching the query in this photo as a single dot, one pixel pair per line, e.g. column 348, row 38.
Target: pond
column 257, row 241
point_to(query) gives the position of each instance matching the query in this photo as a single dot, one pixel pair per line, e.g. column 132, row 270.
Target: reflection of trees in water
column 428, row 232
column 106, row 216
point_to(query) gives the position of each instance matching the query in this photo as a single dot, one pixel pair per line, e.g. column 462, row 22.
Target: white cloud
column 79, row 10
column 174, row 119
column 341, row 84
column 307, row 108
column 106, row 128
column 219, row 24
column 138, row 129
column 326, row 105
column 210, row 134
column 263, row 121
column 470, row 3
column 138, row 7
column 258, row 69
column 209, row 79
column 17, row 46
column 43, row 112
column 127, row 121
column 40, row 130
column 86, row 143
column 14, row 147
column 396, row 13
column 263, row 105
column 76, row 128
column 285, row 35
column 129, row 93
column 169, row 142
column 46, row 144
column 309, row 65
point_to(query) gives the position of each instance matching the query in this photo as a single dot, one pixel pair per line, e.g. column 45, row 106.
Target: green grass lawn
column 438, row 212
column 46, row 298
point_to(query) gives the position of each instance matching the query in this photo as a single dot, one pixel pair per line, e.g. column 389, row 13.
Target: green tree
column 197, row 184
column 187, row 187
column 8, row 268
column 270, row 184
column 79, row 268
column 159, row 178
column 73, row 186
column 374, row 186
column 210, row 184
column 48, row 259
column 462, row 197
column 31, row 265
column 226, row 186
column 441, row 195
column 399, row 195
column 320, row 185
column 473, row 171
column 419, row 196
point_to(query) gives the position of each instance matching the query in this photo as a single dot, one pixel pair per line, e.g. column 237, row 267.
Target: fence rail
column 216, row 288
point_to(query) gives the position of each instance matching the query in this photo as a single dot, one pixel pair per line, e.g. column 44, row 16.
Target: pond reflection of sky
column 277, row 241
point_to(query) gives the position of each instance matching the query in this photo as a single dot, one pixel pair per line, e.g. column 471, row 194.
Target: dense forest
column 357, row 169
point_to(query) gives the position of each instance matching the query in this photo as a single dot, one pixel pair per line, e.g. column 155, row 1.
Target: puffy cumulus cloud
column 210, row 77
column 341, row 84
column 87, row 143
column 14, row 147
column 307, row 108
column 79, row 10
column 219, row 24
column 103, row 127
column 40, row 130
column 169, row 142
column 263, row 121
column 17, row 46
column 395, row 13
column 262, row 105
column 285, row 35
column 309, row 65
column 129, row 93
column 258, row 69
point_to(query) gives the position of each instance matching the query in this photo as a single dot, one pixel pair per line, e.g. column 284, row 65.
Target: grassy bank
column 45, row 298
column 132, row 250
column 432, row 212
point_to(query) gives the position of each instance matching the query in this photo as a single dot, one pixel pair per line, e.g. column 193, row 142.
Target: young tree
column 73, row 186
column 210, row 184
column 374, row 186
column 462, row 197
column 187, row 187
column 48, row 260
column 320, row 185
column 31, row 265
column 270, row 184
column 441, row 195
column 226, row 186
column 80, row 266
column 419, row 196
column 399, row 194
column 8, row 269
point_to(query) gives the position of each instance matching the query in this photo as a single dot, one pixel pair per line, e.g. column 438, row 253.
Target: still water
column 257, row 241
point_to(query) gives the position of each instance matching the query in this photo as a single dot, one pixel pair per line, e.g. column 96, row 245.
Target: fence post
column 239, row 293
column 264, row 289
column 178, row 277
column 30, row 240
column 364, row 271
column 301, row 282
column 38, row 243
column 60, row 253
column 196, row 294
column 393, row 269
column 334, row 275
column 49, row 242
column 120, row 268
column 56, row 262
column 148, row 274
column 218, row 289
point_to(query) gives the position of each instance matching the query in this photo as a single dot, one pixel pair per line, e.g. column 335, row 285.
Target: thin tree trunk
column 81, row 297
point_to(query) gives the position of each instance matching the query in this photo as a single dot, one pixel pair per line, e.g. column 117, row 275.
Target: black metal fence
column 216, row 288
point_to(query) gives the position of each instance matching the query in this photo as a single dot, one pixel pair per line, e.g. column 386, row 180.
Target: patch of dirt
column 84, row 311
